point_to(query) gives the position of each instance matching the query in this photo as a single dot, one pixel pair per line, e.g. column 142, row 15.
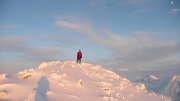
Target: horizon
column 132, row 34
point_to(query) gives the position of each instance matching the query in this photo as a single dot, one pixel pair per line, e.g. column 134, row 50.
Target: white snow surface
column 71, row 81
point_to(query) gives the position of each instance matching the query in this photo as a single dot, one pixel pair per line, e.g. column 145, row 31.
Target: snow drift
column 69, row 81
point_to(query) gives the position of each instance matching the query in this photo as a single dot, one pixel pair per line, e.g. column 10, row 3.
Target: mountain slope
column 173, row 88
column 69, row 81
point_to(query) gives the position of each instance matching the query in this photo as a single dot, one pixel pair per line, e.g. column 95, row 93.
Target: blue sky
column 133, row 34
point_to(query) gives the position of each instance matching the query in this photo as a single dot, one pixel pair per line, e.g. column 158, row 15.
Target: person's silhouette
column 79, row 56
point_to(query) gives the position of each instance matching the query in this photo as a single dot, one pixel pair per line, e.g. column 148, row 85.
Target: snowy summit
column 70, row 81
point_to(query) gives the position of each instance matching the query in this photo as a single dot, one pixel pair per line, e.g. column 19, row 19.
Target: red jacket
column 79, row 54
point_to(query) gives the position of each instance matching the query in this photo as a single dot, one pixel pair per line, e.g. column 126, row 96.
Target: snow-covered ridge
column 173, row 88
column 70, row 81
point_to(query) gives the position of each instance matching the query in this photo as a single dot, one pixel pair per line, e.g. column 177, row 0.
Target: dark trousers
column 78, row 60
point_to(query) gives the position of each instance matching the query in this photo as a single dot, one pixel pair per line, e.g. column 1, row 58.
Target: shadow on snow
column 43, row 87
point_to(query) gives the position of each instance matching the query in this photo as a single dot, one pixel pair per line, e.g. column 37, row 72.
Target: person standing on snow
column 79, row 56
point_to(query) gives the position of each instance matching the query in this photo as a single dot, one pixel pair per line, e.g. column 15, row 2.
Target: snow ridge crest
column 71, row 81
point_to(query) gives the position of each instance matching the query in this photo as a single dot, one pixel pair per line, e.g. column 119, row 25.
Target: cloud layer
column 18, row 44
column 141, row 49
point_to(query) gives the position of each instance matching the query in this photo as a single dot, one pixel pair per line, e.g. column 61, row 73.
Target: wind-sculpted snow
column 70, row 81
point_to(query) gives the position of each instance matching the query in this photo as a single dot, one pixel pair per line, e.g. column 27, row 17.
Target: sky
column 130, row 34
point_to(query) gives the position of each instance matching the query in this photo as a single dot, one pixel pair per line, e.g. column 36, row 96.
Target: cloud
column 45, row 51
column 98, row 3
column 105, row 38
column 20, row 52
column 108, row 39
column 83, row 28
column 141, row 49
column 175, row 11
column 151, row 55
column 144, row 51
column 60, row 41
column 8, row 27
column 80, row 27
column 12, row 43
column 22, row 45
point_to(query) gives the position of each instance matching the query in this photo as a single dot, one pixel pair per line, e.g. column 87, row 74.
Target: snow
column 173, row 88
column 153, row 77
column 71, row 81
column 164, row 85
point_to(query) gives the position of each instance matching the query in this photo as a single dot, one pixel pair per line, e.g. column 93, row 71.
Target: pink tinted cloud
column 175, row 11
column 137, row 50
